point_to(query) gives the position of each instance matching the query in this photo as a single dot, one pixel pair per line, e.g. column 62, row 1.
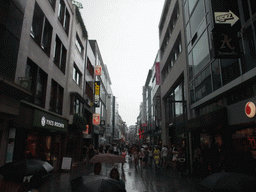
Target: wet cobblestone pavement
column 140, row 180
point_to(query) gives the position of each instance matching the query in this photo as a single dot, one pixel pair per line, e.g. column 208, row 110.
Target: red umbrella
column 108, row 159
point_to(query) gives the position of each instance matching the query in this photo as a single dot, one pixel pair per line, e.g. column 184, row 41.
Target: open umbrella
column 96, row 183
column 230, row 182
column 108, row 159
column 26, row 167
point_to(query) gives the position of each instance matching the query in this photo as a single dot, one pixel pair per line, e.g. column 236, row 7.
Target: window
column 197, row 17
column 53, row 3
column 60, row 55
column 41, row 30
column 77, row 106
column 56, row 98
column 201, row 53
column 89, row 91
column 90, row 68
column 79, row 45
column 38, row 82
column 64, row 16
column 76, row 75
column 230, row 70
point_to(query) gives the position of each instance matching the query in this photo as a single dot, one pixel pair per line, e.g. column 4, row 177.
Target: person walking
column 150, row 156
column 157, row 156
column 164, row 153
column 97, row 169
column 135, row 157
column 141, row 157
column 175, row 155
column 114, row 174
column 123, row 155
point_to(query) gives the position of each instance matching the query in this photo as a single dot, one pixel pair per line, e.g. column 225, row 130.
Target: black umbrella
column 26, row 167
column 96, row 183
column 228, row 181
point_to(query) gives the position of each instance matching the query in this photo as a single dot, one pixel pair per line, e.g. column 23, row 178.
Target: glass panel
column 216, row 75
column 197, row 17
column 47, row 37
column 191, row 4
column 178, row 108
column 178, row 93
column 230, row 70
column 37, row 24
column 201, row 53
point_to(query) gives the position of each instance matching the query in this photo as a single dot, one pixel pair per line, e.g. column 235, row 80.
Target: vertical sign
column 97, row 94
column 158, row 76
column 96, row 119
column 98, row 70
column 226, row 27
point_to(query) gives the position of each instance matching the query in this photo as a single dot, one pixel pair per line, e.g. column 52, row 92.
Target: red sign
column 158, row 75
column 250, row 109
column 96, row 119
column 98, row 70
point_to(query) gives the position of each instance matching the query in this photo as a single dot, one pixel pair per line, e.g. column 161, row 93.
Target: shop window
column 64, row 16
column 230, row 70
column 77, row 75
column 41, row 30
column 38, row 80
column 56, row 98
column 60, row 55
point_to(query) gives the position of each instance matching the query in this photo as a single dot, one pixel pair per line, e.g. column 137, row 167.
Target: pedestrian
column 91, row 152
column 84, row 153
column 114, row 174
column 135, row 157
column 157, row 155
column 175, row 154
column 150, row 156
column 115, row 150
column 141, row 158
column 97, row 169
column 146, row 155
column 164, row 153
column 123, row 155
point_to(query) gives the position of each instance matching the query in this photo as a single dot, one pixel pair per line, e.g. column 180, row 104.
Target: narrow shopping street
column 140, row 180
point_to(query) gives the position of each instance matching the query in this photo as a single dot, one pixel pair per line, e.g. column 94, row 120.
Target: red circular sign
column 250, row 109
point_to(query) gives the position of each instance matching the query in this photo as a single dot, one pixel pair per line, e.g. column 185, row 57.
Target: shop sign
column 97, row 94
column 98, row 70
column 96, row 119
column 158, row 75
column 250, row 109
column 226, row 28
column 48, row 121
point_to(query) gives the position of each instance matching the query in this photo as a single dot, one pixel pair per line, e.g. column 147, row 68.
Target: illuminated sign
column 97, row 94
column 250, row 109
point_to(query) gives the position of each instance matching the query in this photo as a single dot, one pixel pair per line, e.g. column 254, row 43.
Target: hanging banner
column 226, row 28
column 98, row 70
column 158, row 75
column 97, row 94
column 96, row 119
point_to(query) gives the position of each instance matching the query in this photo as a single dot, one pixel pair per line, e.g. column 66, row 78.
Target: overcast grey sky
column 128, row 39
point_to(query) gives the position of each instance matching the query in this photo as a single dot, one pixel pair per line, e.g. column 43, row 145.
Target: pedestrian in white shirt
column 164, row 152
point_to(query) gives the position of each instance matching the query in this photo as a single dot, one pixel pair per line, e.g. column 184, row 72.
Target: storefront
column 39, row 135
column 242, row 121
